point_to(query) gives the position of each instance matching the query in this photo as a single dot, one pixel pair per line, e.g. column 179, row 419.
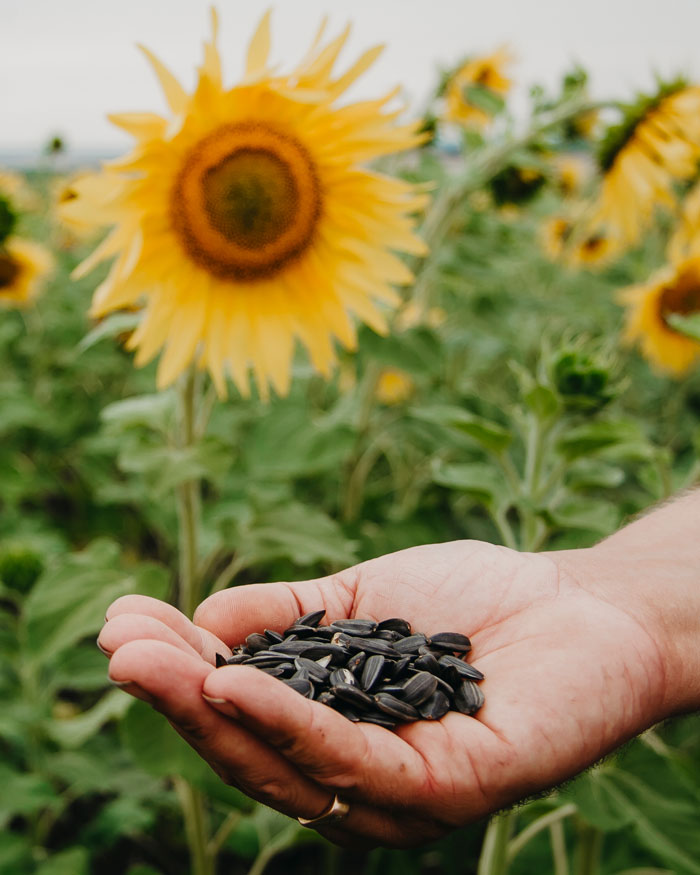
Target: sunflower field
column 289, row 332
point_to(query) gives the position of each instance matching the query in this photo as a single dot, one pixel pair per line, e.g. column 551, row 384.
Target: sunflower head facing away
column 657, row 143
column 675, row 290
column 247, row 220
column 472, row 88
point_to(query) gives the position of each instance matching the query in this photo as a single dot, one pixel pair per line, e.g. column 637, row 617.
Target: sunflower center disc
column 683, row 297
column 8, row 271
column 246, row 201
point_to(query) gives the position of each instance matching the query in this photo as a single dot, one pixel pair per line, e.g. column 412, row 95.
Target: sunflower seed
column 292, row 648
column 342, row 676
column 324, row 661
column 353, row 696
column 372, row 645
column 435, row 707
column 311, row 619
column 396, row 624
column 273, row 637
column 394, row 689
column 411, row 644
column 468, row 698
column 427, row 662
column 387, row 635
column 322, row 633
column 359, row 628
column 395, row 707
column 237, row 659
column 338, row 655
column 220, row 660
column 400, row 667
column 348, row 712
column 301, row 685
column 255, row 642
column 266, row 659
column 379, row 718
column 275, row 671
column 451, row 641
column 301, row 674
column 300, row 631
column 372, row 671
column 356, row 662
column 461, row 667
column 419, row 688
column 315, row 671
column 326, row 698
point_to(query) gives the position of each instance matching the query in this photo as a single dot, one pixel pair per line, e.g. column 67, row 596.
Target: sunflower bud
column 582, row 381
column 20, row 567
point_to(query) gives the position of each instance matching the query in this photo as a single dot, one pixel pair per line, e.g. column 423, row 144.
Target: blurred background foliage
column 503, row 406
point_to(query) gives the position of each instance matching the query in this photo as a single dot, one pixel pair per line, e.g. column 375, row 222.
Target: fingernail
column 222, row 705
column 100, row 647
column 133, row 690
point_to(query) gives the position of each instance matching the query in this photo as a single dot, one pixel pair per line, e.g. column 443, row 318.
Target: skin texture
column 573, row 669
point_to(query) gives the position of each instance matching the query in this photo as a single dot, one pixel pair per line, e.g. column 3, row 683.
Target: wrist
column 643, row 573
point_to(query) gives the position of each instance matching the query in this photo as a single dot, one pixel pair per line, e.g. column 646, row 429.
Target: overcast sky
column 65, row 63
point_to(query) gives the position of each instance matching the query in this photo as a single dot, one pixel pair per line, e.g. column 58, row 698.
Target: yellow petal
column 174, row 92
column 259, row 48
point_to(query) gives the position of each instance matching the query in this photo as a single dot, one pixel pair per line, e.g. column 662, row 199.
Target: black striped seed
column 312, row 619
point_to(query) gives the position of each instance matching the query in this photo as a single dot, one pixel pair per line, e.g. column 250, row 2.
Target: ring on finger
column 336, row 810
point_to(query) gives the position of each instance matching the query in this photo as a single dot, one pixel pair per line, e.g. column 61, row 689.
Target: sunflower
column 657, row 143
column 24, row 265
column 685, row 240
column 673, row 290
column 485, row 73
column 248, row 221
column 68, row 207
column 570, row 174
column 394, row 387
column 563, row 240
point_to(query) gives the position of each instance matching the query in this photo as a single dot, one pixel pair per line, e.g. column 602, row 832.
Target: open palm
column 569, row 676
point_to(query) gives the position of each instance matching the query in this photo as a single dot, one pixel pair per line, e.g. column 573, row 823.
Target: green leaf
column 687, row 325
column 590, row 514
column 76, row 731
column 488, row 434
column 590, row 793
column 592, row 474
column 124, row 816
column 417, row 351
column 150, row 411
column 112, row 326
column 24, row 793
column 603, row 435
column 298, row 532
column 160, row 751
column 542, row 401
column 15, row 853
column 167, row 467
column 483, row 98
column 477, row 479
column 70, row 599
column 74, row 861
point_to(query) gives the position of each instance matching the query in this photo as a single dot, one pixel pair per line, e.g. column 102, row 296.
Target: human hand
column 570, row 675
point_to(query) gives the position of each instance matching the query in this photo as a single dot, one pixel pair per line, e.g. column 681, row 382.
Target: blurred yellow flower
column 673, row 290
column 67, row 209
column 15, row 187
column 24, row 265
column 394, row 386
column 570, row 174
column 485, row 72
column 657, row 144
column 248, row 221
column 685, row 240
column 411, row 315
column 563, row 240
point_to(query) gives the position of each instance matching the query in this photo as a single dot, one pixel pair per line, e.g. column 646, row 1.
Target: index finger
column 234, row 613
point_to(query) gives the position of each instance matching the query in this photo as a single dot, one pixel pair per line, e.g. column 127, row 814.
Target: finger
column 234, row 613
column 365, row 761
column 134, row 627
column 201, row 640
column 236, row 755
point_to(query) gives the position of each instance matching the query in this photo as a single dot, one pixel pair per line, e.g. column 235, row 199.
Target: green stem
column 494, row 859
column 557, row 839
column 196, row 827
column 530, row 831
column 223, row 832
column 270, row 849
column 589, row 846
column 235, row 565
column 353, row 483
column 188, row 499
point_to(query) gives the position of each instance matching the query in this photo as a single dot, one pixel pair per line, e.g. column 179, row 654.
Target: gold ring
column 334, row 812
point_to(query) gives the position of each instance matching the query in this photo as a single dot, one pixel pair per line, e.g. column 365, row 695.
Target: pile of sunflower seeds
column 379, row 673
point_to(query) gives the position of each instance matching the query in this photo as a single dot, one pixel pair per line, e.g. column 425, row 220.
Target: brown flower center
column 683, row 296
column 9, row 269
column 246, row 201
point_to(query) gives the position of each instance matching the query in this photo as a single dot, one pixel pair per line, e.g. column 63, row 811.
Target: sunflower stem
column 196, row 827
column 355, row 473
column 494, row 857
column 188, row 502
